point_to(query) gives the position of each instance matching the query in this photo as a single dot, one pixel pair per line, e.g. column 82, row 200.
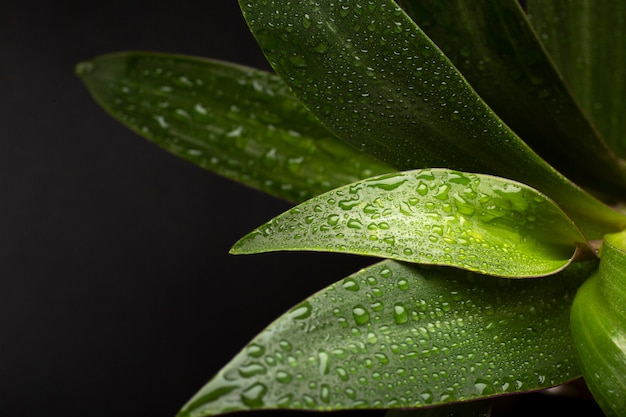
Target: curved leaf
column 472, row 221
column 395, row 335
column 587, row 40
column 239, row 122
column 496, row 49
column 375, row 79
column 598, row 320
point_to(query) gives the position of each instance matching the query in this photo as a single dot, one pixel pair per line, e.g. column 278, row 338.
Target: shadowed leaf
column 396, row 335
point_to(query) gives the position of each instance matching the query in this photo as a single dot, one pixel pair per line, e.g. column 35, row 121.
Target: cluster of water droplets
column 390, row 336
column 427, row 216
column 370, row 74
column 263, row 137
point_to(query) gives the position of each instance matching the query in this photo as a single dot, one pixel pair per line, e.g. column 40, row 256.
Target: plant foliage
column 476, row 147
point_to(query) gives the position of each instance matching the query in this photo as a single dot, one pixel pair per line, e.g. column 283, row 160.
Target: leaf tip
column 83, row 68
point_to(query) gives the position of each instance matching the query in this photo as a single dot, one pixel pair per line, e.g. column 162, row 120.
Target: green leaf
column 479, row 408
column 376, row 80
column 496, row 49
column 396, row 335
column 587, row 40
column 472, row 221
column 239, row 122
column 598, row 322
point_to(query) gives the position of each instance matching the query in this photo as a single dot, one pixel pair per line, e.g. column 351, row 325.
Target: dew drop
column 332, row 220
column 301, row 311
column 324, row 361
column 360, row 314
column 283, row 377
column 252, row 369
column 400, row 313
column 325, row 393
column 255, row 350
column 343, row 374
column 253, row 396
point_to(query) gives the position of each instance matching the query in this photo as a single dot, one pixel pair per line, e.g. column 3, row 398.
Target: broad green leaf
column 376, row 80
column 396, row 335
column 598, row 321
column 497, row 51
column 239, row 122
column 472, row 221
column 587, row 40
column 479, row 408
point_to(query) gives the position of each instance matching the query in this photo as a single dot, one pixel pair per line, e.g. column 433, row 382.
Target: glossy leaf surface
column 239, row 122
column 398, row 335
column 497, row 51
column 587, row 39
column 472, row 221
column 599, row 327
column 376, row 80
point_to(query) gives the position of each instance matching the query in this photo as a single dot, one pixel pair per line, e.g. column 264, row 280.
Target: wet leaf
column 587, row 40
column 396, row 335
column 377, row 81
column 497, row 51
column 479, row 408
column 239, row 122
column 599, row 327
column 472, row 221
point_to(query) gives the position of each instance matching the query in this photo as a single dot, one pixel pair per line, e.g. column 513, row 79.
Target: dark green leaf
column 375, row 79
column 495, row 48
column 239, row 122
column 599, row 327
column 471, row 221
column 396, row 335
column 587, row 40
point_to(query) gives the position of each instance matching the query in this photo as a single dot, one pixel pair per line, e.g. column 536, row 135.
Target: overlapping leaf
column 496, row 50
column 587, row 40
column 239, row 122
column 396, row 335
column 377, row 81
column 598, row 321
column 437, row 216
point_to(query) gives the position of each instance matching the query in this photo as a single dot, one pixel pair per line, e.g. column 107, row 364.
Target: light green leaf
column 239, row 122
column 479, row 408
column 376, row 80
column 598, row 320
column 587, row 40
column 496, row 49
column 472, row 221
column 396, row 335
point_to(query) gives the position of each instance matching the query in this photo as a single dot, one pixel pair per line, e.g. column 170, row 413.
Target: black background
column 117, row 295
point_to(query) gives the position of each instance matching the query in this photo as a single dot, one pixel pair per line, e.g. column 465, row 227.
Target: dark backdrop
column 117, row 295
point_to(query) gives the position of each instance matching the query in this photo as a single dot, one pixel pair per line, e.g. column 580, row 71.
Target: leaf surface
column 471, row 221
column 377, row 81
column 495, row 48
column 395, row 335
column 587, row 40
column 239, row 122
column 598, row 320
